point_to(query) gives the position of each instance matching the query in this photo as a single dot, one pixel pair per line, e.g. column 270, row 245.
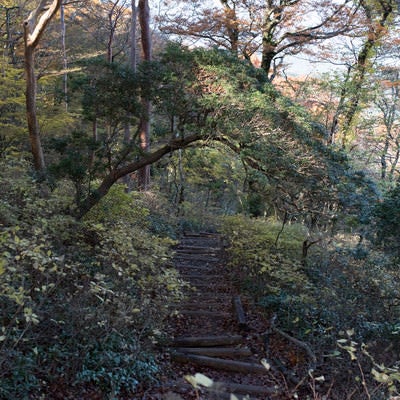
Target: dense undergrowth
column 342, row 299
column 83, row 302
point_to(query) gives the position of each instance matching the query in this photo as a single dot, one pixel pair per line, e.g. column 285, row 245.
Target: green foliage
column 110, row 364
column 264, row 256
column 342, row 287
column 81, row 301
column 110, row 91
column 12, row 109
column 387, row 214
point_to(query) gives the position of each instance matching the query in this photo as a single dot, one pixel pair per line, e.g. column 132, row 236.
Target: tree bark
column 352, row 93
column 34, row 27
column 144, row 127
column 65, row 58
column 232, row 352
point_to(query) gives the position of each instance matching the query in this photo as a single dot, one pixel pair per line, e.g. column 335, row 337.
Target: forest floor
column 219, row 345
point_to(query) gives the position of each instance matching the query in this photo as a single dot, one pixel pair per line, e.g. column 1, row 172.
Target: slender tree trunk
column 33, row 124
column 232, row 26
column 395, row 160
column 65, row 59
column 339, row 110
column 34, row 27
column 144, row 131
column 10, row 41
column 133, row 49
column 133, row 65
column 383, row 158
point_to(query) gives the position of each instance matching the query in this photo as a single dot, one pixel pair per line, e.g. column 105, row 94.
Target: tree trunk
column 10, row 41
column 34, row 26
column 232, row 26
column 65, row 59
column 144, row 131
column 133, row 65
column 354, row 91
column 31, row 116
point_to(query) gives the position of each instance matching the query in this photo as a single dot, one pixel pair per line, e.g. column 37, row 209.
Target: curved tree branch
column 146, row 159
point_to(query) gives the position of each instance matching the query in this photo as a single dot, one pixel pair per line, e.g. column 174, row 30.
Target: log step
column 196, row 247
column 186, row 256
column 214, row 286
column 200, row 276
column 213, row 394
column 219, row 363
column 203, row 267
column 206, row 313
column 211, row 306
column 207, row 341
column 244, row 389
column 231, row 352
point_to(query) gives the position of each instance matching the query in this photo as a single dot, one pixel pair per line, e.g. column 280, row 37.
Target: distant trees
column 270, row 28
column 374, row 26
column 196, row 98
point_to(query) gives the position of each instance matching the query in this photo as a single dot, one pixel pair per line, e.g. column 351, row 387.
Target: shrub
column 82, row 301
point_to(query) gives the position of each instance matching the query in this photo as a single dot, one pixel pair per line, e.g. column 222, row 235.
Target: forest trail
column 215, row 334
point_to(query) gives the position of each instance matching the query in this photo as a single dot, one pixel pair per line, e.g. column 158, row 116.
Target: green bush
column 387, row 214
column 83, row 302
column 342, row 289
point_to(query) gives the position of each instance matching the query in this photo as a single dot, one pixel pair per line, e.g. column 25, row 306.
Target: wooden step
column 212, row 394
column 207, row 341
column 204, row 305
column 219, row 363
column 190, row 267
column 237, row 388
column 196, row 257
column 193, row 275
column 205, row 313
column 196, row 249
column 231, row 352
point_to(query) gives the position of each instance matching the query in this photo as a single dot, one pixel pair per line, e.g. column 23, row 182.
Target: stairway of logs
column 212, row 338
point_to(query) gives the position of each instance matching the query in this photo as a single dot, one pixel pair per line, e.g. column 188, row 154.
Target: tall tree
column 144, row 128
column 34, row 27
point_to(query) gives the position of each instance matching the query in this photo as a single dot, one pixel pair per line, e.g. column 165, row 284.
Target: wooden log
column 244, row 389
column 239, row 311
column 218, row 287
column 219, row 363
column 207, row 313
column 209, row 296
column 196, row 249
column 232, row 352
column 196, row 257
column 207, row 341
column 204, row 305
column 204, row 268
column 201, row 276
column 216, row 394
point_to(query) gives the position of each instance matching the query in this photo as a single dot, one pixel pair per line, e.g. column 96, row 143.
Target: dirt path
column 215, row 340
